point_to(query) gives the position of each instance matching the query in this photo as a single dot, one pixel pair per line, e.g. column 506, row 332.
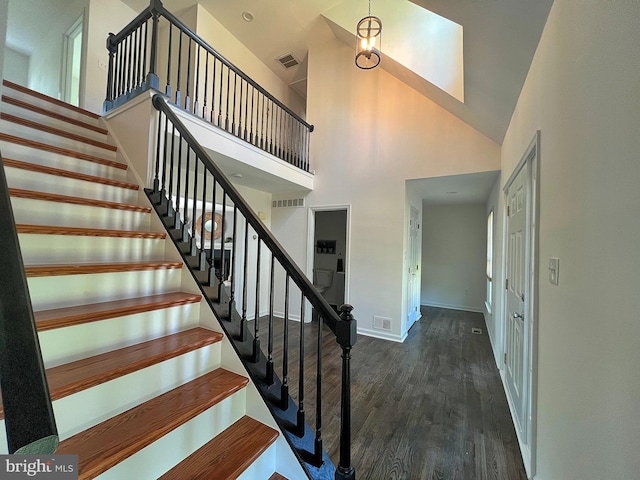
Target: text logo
column 49, row 467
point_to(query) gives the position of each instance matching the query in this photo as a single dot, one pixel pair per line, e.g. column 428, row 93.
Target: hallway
column 432, row 407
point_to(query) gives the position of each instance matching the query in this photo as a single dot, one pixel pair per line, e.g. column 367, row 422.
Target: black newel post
column 152, row 77
column 111, row 48
column 346, row 337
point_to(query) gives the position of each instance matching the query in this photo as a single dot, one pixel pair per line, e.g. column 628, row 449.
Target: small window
column 489, row 261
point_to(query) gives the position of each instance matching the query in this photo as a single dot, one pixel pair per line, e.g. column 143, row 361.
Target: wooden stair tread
column 56, row 131
column 67, row 316
column 86, row 232
column 277, row 476
column 228, row 454
column 62, row 151
column 91, row 202
column 33, row 271
column 73, row 377
column 8, row 162
column 42, row 96
column 49, row 113
column 112, row 441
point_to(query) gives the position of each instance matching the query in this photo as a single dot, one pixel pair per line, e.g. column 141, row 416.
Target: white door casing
column 413, row 275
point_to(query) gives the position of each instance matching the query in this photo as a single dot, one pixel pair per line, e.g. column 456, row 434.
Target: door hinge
column 505, row 357
column 508, row 210
column 506, row 284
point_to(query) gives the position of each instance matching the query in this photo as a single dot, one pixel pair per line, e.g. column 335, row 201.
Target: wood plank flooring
column 432, row 407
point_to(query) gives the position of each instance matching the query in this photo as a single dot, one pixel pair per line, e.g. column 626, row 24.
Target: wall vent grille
column 288, row 60
column 288, row 202
column 381, row 323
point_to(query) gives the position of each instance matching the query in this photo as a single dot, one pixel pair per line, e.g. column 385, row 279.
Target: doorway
column 328, row 257
column 72, row 62
column 519, row 300
column 413, row 275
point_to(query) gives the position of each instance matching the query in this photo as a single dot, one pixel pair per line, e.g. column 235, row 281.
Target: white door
column 413, row 283
column 72, row 63
column 516, row 339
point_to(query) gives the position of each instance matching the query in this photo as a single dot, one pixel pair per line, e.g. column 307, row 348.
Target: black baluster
column 245, row 296
column 185, row 214
column 129, row 62
column 223, row 226
column 179, row 71
column 176, row 220
column 135, row 78
column 246, row 111
column 284, row 388
column 272, row 129
column 220, row 96
column 269, row 380
column 111, row 48
column 212, row 269
column 152, row 79
column 119, row 89
column 206, row 84
column 317, row 444
column 256, row 325
column 202, row 262
column 235, row 89
column 232, row 261
column 156, row 179
column 251, row 127
column 193, row 247
column 144, row 51
column 165, row 159
column 300, row 417
column 187, row 98
column 239, row 132
column 170, row 210
column 264, row 113
column 167, row 91
column 197, row 92
column 226, row 123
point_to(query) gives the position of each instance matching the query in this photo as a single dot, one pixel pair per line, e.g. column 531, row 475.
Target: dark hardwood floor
column 432, row 407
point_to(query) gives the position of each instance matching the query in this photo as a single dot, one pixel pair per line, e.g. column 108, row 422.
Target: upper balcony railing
column 156, row 50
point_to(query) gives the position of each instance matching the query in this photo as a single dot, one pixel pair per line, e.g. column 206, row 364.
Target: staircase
column 143, row 380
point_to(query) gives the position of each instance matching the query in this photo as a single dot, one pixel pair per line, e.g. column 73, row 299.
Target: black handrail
column 173, row 143
column 251, row 113
column 29, row 420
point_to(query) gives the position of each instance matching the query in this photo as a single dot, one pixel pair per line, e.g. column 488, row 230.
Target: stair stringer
column 135, row 138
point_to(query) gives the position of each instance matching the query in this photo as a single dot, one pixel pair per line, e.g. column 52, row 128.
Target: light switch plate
column 554, row 270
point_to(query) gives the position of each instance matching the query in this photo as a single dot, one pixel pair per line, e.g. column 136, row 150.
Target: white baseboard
column 464, row 308
column 382, row 335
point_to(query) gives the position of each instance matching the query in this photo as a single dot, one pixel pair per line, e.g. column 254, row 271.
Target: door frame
column 531, row 162
column 418, row 273
column 311, row 231
column 76, row 27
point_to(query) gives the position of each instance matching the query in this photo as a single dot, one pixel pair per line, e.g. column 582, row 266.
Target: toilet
column 322, row 279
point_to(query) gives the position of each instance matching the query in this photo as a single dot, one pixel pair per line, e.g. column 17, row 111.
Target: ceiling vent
column 288, row 60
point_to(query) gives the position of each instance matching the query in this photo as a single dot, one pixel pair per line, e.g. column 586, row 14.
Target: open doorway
column 72, row 62
column 328, row 257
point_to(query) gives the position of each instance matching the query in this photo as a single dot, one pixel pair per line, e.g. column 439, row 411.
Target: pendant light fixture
column 368, row 41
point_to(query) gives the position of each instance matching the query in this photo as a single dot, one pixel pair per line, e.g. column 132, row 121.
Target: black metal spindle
column 223, row 226
column 156, row 178
column 245, row 281
column 170, row 210
column 187, row 98
column 220, row 95
column 193, row 246
column 226, row 123
column 235, row 89
column 238, row 133
column 300, row 420
column 212, row 244
column 317, row 444
column 284, row 388
column 252, row 126
column 262, row 118
column 256, row 318
column 165, row 159
column 269, row 380
column 246, row 111
column 206, row 84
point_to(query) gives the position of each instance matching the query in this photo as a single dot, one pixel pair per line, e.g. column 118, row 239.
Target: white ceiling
column 500, row 38
column 472, row 188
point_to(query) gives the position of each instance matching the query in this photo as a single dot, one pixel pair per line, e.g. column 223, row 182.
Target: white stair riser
column 39, row 212
column 89, row 407
column 262, row 467
column 56, row 249
column 12, row 128
column 42, row 182
column 64, row 345
column 162, row 455
column 28, row 154
column 70, row 290
column 50, row 106
column 53, row 122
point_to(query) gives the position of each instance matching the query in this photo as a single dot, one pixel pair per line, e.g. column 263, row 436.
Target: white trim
column 462, row 308
column 382, row 335
column 531, row 161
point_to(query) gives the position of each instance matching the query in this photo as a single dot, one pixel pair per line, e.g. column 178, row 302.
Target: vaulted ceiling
column 500, row 38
